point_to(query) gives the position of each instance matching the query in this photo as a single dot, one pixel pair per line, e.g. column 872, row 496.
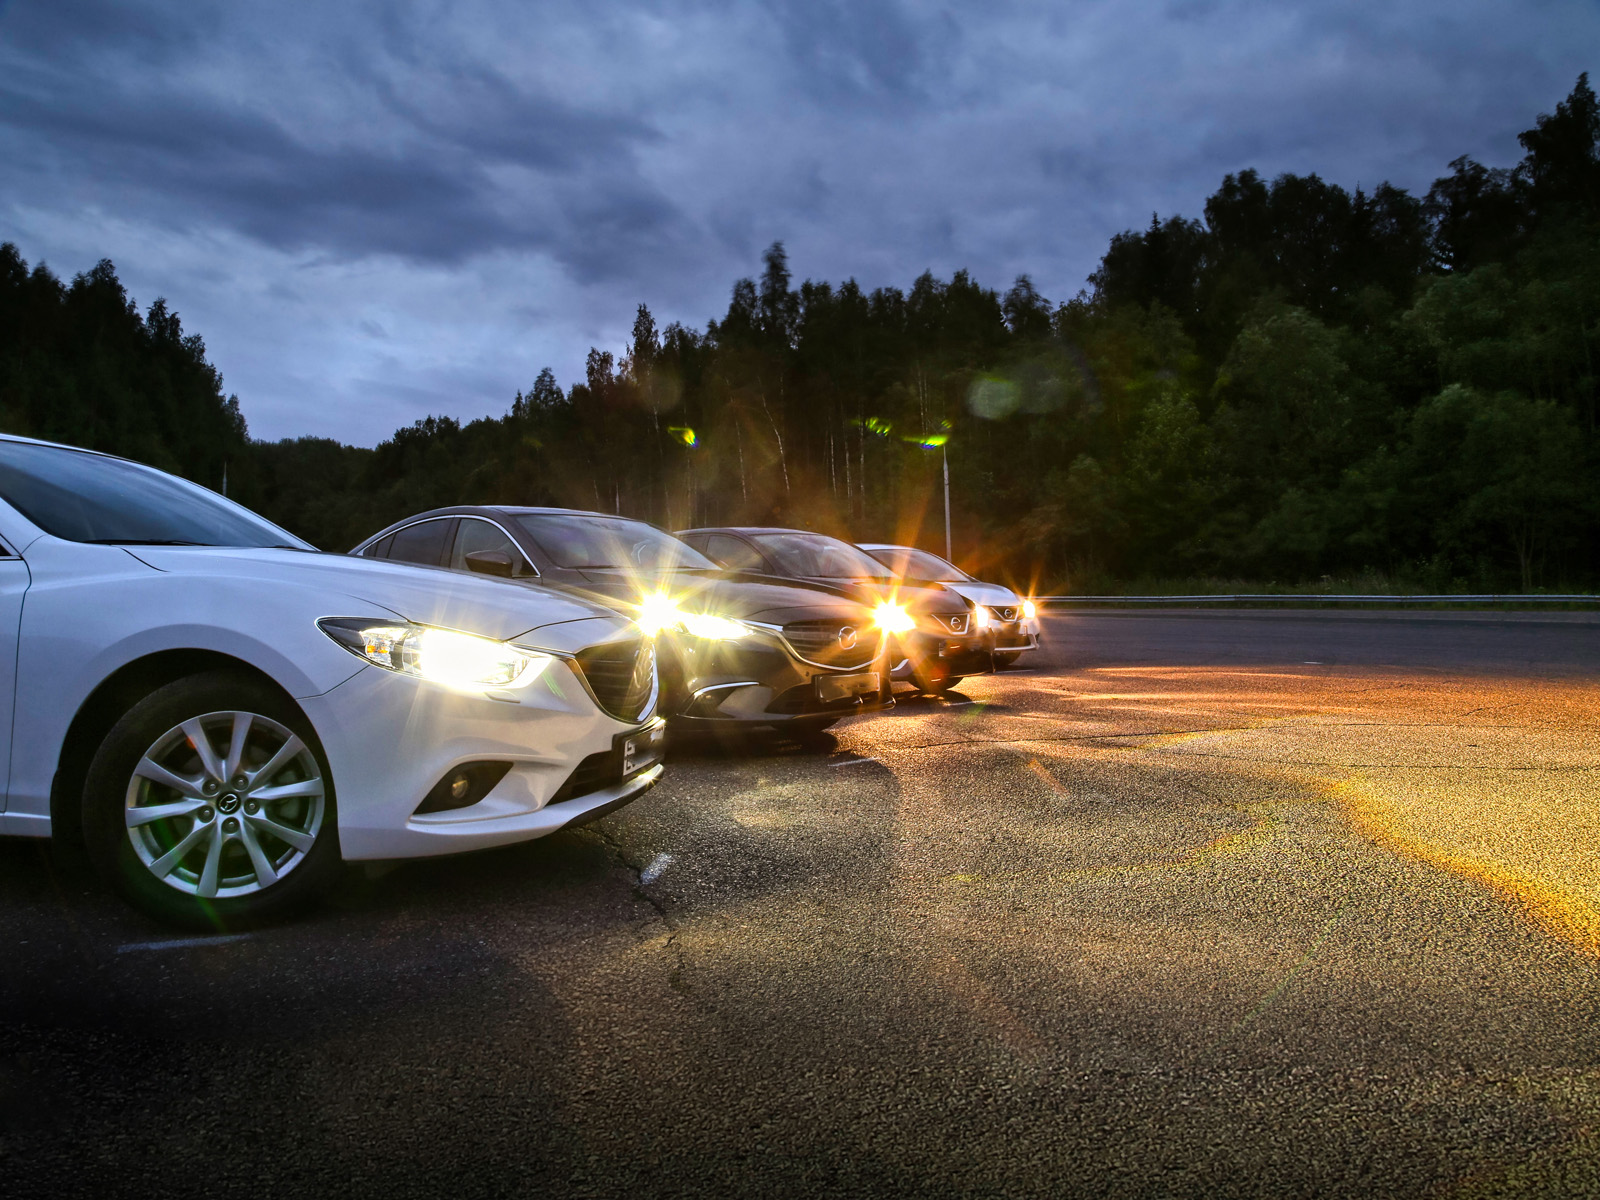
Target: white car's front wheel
column 209, row 804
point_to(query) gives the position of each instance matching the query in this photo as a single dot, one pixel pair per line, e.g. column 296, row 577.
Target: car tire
column 931, row 681
column 247, row 830
column 1005, row 660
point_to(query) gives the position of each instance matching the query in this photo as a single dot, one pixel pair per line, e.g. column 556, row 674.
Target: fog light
column 464, row 786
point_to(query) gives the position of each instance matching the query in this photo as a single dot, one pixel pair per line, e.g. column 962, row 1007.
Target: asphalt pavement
column 1190, row 904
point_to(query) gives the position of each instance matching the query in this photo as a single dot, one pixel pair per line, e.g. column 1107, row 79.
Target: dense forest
column 1304, row 381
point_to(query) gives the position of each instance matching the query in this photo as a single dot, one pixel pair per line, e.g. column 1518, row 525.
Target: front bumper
column 960, row 655
column 390, row 738
column 1014, row 637
column 757, row 680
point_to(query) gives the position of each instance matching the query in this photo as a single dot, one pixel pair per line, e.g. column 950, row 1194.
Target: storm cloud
column 376, row 211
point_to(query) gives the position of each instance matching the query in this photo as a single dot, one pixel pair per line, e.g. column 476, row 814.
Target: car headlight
column 1029, row 612
column 658, row 611
column 981, row 618
column 437, row 655
column 713, row 628
column 893, row 618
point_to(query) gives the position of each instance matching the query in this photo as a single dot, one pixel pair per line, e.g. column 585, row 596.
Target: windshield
column 86, row 497
column 817, row 556
column 609, row 543
column 918, row 564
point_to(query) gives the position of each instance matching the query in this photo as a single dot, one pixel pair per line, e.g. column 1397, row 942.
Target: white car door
column 13, row 583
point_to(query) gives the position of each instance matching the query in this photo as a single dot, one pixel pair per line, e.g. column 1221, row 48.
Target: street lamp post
column 949, row 557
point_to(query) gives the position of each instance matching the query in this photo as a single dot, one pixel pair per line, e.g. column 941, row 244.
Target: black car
column 937, row 640
column 734, row 652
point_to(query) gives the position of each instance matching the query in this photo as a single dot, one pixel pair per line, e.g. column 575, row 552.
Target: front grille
column 1005, row 613
column 956, row 623
column 622, row 676
column 819, row 642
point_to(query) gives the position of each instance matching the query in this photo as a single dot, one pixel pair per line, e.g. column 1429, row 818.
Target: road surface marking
column 657, row 865
column 181, row 943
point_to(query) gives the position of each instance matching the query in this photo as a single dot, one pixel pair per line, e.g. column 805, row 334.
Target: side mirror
column 491, row 562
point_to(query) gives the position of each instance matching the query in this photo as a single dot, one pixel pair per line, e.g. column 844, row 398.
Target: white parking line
column 852, row 762
column 182, row 943
column 657, row 865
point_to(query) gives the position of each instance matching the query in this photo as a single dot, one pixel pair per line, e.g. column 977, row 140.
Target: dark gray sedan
column 734, row 651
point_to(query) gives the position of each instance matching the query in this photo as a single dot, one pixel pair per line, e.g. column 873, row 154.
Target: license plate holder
column 843, row 687
column 642, row 748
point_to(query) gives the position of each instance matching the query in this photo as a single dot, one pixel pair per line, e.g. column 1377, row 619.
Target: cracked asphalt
column 1194, row 904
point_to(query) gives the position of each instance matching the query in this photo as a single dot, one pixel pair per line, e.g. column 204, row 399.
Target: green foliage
column 79, row 364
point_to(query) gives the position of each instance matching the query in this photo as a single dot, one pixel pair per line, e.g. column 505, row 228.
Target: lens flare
column 683, row 433
column 657, row 611
column 1029, row 610
column 893, row 618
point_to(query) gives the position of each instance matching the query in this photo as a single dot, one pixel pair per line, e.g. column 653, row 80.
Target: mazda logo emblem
column 847, row 637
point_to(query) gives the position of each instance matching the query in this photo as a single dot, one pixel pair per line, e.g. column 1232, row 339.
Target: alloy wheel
column 225, row 804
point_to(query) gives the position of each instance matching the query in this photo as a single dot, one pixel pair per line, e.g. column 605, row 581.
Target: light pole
column 948, row 556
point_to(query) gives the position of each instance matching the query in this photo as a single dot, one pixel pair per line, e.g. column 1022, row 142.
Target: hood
column 755, row 599
column 355, row 586
column 986, row 593
column 922, row 599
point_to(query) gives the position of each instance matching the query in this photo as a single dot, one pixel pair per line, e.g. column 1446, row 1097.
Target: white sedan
column 1011, row 620
column 222, row 713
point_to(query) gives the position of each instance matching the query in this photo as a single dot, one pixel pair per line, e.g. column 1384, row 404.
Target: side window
column 734, row 553
column 473, row 535
column 379, row 548
column 421, row 543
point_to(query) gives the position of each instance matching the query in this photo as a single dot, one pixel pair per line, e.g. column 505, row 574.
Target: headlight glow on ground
column 893, row 618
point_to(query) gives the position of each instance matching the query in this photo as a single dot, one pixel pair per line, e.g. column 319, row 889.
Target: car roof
column 510, row 510
column 756, row 529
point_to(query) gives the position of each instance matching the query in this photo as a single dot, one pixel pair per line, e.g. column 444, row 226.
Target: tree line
column 1303, row 381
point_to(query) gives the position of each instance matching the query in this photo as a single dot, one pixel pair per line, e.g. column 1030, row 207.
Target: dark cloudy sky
column 374, row 211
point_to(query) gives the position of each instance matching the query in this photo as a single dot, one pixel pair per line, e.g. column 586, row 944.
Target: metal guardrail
column 1312, row 598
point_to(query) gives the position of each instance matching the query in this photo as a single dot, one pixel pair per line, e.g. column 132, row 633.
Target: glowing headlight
column 893, row 618
column 981, row 618
column 658, row 611
column 717, row 629
column 437, row 655
column 1029, row 612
